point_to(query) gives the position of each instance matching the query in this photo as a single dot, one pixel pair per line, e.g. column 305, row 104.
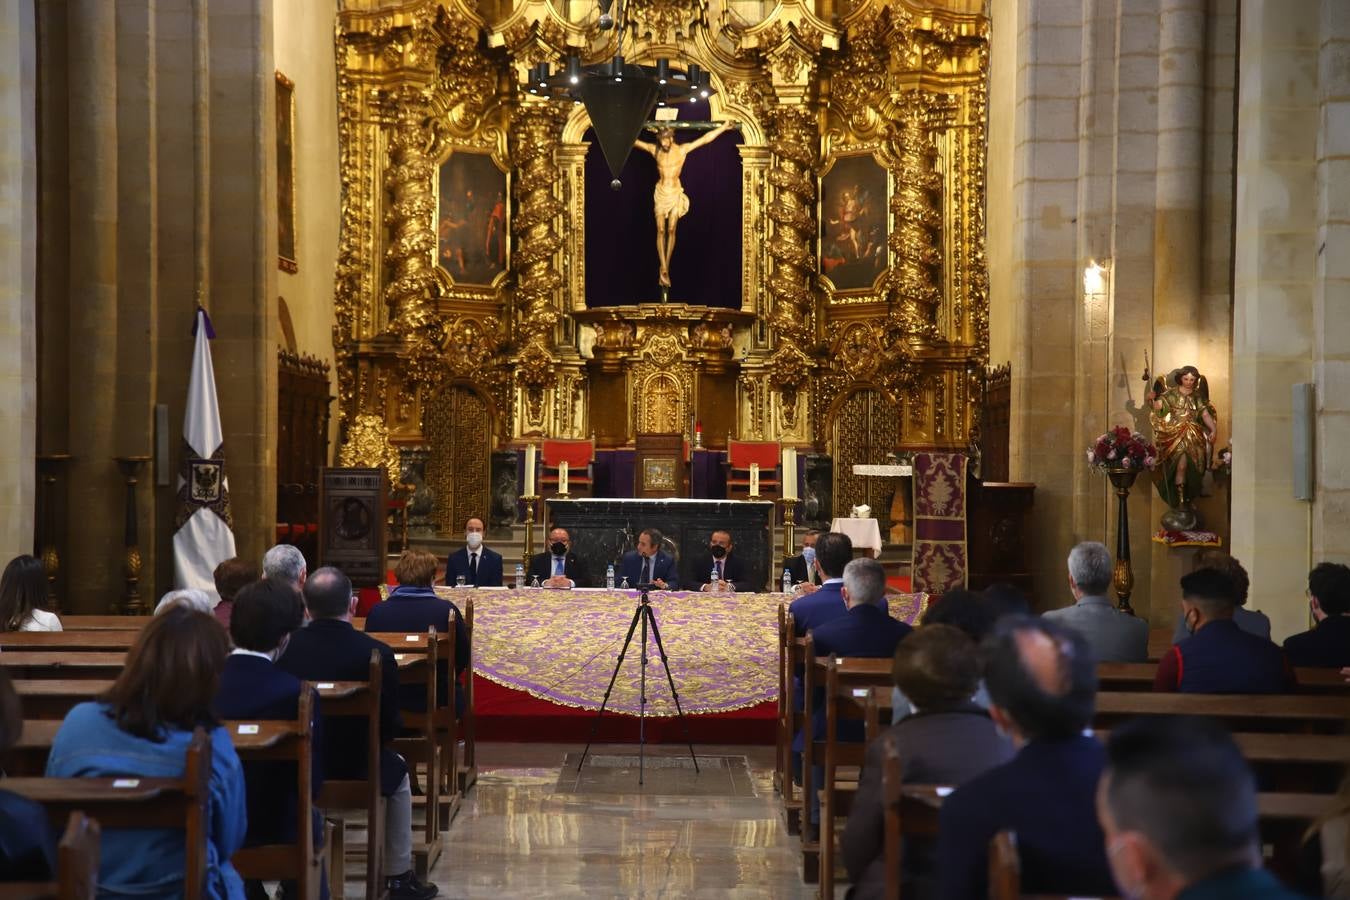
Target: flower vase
column 1122, row 577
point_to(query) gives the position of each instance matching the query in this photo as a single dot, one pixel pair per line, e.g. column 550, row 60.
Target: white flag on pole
column 203, row 538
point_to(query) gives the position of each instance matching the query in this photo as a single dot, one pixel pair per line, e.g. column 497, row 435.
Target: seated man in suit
column 330, row 649
column 264, row 616
column 285, row 563
column 1115, row 636
column 1219, row 657
column 413, row 607
column 720, row 559
column 938, row 667
column 1328, row 643
column 815, row 608
column 558, row 566
column 1177, row 804
column 648, row 565
column 1042, row 680
column 479, row 566
column 802, row 567
column 1252, row 621
column 866, row 630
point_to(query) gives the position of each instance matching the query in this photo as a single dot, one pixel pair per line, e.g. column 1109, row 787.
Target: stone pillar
column 1331, row 326
column 18, row 269
column 1274, row 286
column 95, row 495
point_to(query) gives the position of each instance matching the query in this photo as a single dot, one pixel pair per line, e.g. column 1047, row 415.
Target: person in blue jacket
column 142, row 727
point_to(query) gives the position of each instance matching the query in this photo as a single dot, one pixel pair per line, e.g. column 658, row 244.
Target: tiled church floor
column 519, row 835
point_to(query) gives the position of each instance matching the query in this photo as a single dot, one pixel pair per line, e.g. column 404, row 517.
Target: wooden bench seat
column 30, row 664
column 1139, row 677
column 134, row 802
column 77, row 861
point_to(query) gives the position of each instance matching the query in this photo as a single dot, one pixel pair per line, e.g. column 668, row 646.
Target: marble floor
column 518, row 836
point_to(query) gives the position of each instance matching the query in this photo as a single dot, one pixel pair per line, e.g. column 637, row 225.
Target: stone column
column 1331, row 326
column 18, row 268
column 95, row 496
column 1274, row 286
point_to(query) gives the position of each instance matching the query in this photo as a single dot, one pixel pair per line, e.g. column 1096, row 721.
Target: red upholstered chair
column 740, row 456
column 578, row 455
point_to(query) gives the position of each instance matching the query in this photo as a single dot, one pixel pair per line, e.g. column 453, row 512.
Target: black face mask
column 717, row 551
column 558, row 548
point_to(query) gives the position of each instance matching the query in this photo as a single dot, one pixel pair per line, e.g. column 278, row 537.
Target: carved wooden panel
column 458, row 426
column 866, row 427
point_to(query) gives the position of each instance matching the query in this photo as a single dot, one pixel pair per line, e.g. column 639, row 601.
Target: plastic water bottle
column 520, row 576
column 787, row 581
column 713, row 580
column 609, row 576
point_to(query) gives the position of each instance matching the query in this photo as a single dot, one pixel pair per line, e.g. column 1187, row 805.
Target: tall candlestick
column 530, row 454
column 562, row 478
column 789, row 473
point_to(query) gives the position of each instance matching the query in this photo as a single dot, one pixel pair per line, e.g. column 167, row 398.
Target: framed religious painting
column 472, row 217
column 854, row 223
column 286, row 242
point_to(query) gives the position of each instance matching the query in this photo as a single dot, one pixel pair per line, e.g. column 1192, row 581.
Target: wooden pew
column 791, row 720
column 139, row 803
column 104, row 623
column 52, row 698
column 1005, row 867
column 418, row 656
column 467, row 774
column 67, row 641
column 30, row 664
column 1139, row 677
column 76, row 867
column 810, row 677
column 911, row 812
column 1241, row 712
column 357, row 699
column 289, row 742
column 849, row 682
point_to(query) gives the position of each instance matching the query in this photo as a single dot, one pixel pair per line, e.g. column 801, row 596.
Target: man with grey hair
column 1115, row 636
column 285, row 563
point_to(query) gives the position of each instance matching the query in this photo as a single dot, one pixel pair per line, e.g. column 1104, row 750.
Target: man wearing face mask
column 1219, row 657
column 558, row 566
column 478, row 565
column 721, row 561
column 802, row 568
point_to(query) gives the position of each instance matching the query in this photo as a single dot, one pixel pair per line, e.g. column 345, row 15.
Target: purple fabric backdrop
column 621, row 265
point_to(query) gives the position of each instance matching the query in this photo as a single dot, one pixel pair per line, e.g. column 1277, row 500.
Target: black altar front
column 603, row 529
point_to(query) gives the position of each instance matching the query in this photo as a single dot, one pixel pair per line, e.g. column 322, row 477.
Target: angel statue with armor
column 1185, row 427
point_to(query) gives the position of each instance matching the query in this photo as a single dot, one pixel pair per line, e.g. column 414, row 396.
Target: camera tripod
column 645, row 616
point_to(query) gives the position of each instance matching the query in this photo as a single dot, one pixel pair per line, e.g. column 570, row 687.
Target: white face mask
column 474, row 539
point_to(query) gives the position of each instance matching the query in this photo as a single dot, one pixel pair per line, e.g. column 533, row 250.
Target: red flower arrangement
column 1121, row 448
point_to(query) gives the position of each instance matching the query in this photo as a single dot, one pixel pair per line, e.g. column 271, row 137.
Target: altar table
column 561, row 645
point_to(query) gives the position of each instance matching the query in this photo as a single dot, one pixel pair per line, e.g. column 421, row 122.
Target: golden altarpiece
column 453, row 369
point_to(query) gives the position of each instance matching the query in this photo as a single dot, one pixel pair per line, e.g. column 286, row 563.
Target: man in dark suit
column 479, row 566
column 721, row 560
column 818, row 605
column 558, row 566
column 1042, row 679
column 1177, row 805
column 330, row 649
column 938, row 669
column 648, row 565
column 413, row 607
column 252, row 687
column 1328, row 643
column 1219, row 657
column 802, row 567
column 865, row 630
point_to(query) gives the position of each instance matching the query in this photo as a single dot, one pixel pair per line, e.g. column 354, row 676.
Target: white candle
column 562, row 477
column 754, row 479
column 789, row 474
column 530, row 452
